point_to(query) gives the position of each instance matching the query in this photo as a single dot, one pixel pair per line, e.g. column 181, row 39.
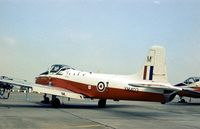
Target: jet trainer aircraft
column 149, row 84
column 191, row 88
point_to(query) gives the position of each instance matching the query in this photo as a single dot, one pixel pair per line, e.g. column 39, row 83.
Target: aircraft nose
column 43, row 80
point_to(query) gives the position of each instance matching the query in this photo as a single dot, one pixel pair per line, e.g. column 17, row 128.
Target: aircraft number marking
column 134, row 89
column 101, row 87
column 149, row 58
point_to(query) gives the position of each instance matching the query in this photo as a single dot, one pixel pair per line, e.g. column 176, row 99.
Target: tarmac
column 20, row 113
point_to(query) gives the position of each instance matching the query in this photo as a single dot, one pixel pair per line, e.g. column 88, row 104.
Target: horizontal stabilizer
column 156, row 87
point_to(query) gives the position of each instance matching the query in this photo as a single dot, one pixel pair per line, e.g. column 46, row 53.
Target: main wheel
column 102, row 103
column 55, row 103
column 182, row 101
column 163, row 102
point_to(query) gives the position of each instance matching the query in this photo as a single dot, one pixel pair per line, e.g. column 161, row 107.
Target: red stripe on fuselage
column 109, row 93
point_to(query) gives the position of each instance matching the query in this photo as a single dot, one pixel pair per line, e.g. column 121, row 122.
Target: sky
column 106, row 36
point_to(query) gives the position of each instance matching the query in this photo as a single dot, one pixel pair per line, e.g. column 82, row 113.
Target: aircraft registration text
column 134, row 89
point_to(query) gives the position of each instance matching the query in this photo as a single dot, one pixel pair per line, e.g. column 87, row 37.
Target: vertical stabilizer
column 154, row 68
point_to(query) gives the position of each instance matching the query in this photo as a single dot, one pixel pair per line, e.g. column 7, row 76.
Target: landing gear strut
column 102, row 103
column 46, row 99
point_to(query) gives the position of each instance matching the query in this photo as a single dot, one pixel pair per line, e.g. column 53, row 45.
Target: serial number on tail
column 131, row 89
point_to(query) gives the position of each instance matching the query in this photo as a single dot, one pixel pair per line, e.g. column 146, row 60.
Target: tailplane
column 154, row 68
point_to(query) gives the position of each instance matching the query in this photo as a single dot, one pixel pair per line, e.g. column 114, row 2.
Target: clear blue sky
column 108, row 36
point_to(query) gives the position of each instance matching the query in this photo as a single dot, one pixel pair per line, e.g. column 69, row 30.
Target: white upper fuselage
column 115, row 81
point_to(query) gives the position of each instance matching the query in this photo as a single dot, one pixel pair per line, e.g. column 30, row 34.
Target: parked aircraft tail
column 154, row 68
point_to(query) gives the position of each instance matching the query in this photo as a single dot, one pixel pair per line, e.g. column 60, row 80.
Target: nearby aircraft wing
column 14, row 82
column 40, row 88
column 191, row 91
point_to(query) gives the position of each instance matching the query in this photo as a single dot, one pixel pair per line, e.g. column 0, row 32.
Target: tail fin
column 154, row 68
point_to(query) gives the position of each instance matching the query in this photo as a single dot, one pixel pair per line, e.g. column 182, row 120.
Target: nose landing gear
column 55, row 102
column 45, row 100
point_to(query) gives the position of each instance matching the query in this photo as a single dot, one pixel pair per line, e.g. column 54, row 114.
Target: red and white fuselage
column 149, row 84
column 103, row 86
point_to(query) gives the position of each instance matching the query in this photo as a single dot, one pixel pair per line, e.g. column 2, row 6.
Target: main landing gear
column 55, row 102
column 102, row 103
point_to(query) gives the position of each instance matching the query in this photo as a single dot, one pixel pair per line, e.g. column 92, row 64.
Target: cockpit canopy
column 56, row 69
column 192, row 80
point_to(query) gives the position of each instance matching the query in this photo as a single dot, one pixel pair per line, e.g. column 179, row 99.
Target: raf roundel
column 101, row 87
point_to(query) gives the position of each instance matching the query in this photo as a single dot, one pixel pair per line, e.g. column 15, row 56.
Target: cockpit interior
column 192, row 80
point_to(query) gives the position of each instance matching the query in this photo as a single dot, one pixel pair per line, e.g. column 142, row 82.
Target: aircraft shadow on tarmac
column 110, row 109
column 94, row 106
column 132, row 111
column 85, row 106
column 24, row 106
column 118, row 110
column 70, row 106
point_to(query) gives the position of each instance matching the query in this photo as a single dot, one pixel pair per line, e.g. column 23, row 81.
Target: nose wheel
column 55, row 102
column 182, row 100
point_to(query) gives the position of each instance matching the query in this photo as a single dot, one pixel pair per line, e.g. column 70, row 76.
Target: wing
column 56, row 91
column 8, row 83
